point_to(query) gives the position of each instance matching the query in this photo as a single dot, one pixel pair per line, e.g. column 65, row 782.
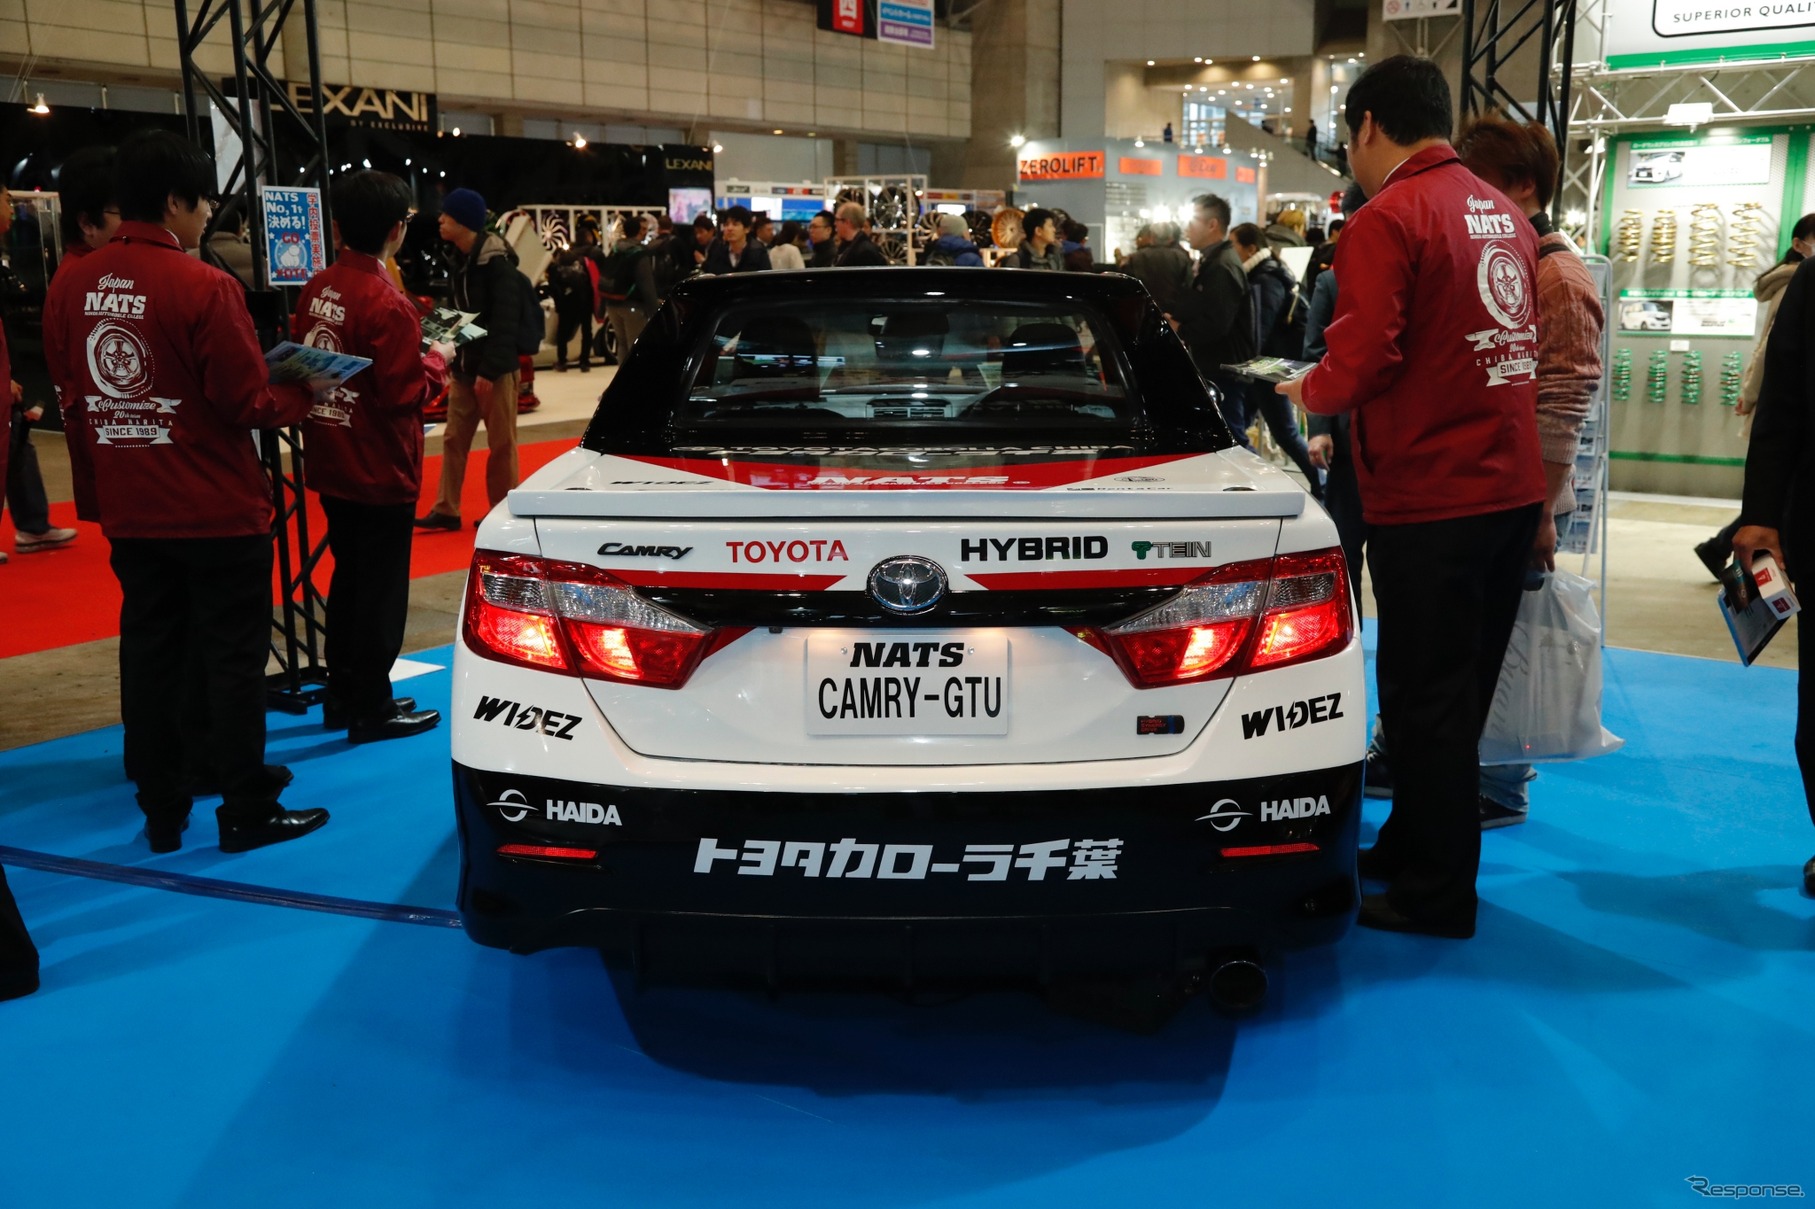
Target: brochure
column 292, row 362
column 1755, row 606
column 445, row 325
column 1272, row 369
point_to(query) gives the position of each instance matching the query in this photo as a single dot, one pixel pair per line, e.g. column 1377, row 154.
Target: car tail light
column 575, row 619
column 549, row 853
column 1243, row 617
column 1270, row 850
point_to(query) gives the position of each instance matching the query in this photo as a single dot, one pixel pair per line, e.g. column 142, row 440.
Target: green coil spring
column 1657, row 376
column 1732, row 377
column 1691, row 385
column 1622, row 375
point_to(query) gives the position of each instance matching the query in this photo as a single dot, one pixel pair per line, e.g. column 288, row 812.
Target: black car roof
column 901, row 283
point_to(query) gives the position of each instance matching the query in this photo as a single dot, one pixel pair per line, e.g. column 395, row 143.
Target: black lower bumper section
column 910, row 885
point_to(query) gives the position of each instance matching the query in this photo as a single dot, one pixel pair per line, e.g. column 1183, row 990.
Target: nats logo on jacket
column 121, row 367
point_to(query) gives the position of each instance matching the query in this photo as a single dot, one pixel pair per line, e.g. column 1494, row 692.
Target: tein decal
column 1082, row 860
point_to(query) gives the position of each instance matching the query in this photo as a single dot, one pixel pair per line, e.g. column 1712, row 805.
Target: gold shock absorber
column 1629, row 240
column 1663, row 237
column 1704, row 235
column 1745, row 234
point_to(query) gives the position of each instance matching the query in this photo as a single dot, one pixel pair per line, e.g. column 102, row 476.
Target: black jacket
column 1215, row 315
column 859, row 252
column 1271, row 287
column 486, row 282
column 1780, row 492
column 754, row 257
column 1165, row 269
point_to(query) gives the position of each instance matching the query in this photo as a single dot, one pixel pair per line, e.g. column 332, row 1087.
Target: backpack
column 937, row 256
column 531, row 325
column 1287, row 339
column 618, row 283
column 570, row 278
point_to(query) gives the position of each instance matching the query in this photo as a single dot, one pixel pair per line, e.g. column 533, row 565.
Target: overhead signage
column 1688, row 161
column 400, row 109
column 1731, row 313
column 295, row 249
column 905, row 22
column 1203, row 167
column 1245, row 176
column 1649, row 33
column 1062, row 166
column 1410, row 10
column 854, row 17
column 1129, row 165
column 681, row 160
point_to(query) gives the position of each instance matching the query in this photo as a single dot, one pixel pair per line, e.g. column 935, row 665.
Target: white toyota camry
column 909, row 622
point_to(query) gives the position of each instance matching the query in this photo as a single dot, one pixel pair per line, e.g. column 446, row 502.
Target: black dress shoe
column 1375, row 866
column 334, row 715
column 166, row 835
column 397, row 726
column 243, row 836
column 1377, row 913
column 437, row 520
column 277, row 776
column 1713, row 556
column 1808, row 878
column 18, row 986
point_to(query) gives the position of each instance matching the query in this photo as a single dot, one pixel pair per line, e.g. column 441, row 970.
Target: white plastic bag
column 1547, row 706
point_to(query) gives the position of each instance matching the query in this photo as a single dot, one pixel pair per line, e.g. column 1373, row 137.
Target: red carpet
column 65, row 596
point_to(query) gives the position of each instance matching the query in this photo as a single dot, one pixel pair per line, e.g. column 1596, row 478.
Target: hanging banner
column 295, row 245
column 854, row 17
column 1651, row 33
column 1685, row 160
column 905, row 22
column 1409, row 10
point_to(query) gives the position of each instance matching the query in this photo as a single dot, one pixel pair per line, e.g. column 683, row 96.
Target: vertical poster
column 905, row 22
column 296, row 247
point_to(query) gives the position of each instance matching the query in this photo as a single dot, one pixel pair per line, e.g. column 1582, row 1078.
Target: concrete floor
column 1660, row 597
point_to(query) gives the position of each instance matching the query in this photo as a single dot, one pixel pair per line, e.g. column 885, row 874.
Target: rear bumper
column 908, row 885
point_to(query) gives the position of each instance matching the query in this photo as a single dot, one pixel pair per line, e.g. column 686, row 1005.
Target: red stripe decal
column 830, row 476
column 1140, row 577
column 726, row 581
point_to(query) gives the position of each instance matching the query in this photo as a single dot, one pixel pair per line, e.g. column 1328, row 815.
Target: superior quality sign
column 1641, row 33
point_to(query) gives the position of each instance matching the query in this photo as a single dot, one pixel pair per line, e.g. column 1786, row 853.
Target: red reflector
column 1270, row 850
column 663, row 659
column 558, row 854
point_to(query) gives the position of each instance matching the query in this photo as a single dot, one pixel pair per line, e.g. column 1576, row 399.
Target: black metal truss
column 1493, row 33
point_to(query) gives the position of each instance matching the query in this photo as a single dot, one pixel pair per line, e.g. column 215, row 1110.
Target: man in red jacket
column 89, row 219
column 1434, row 349
column 18, row 956
column 364, row 441
column 165, row 382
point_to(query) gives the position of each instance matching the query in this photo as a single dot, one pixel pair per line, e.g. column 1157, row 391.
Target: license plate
column 907, row 683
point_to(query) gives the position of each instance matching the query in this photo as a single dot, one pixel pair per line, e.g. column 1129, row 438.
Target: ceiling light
column 367, row 163
column 456, row 132
column 1197, row 58
column 1257, row 58
column 1017, row 140
column 775, row 132
column 718, row 148
column 1208, row 62
column 406, row 163
column 1150, row 62
column 1351, row 58
column 579, row 141
column 40, row 108
column 1332, row 88
column 1140, row 142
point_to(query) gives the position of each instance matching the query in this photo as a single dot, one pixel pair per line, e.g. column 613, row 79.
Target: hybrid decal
column 1081, row 860
column 513, row 807
column 625, row 550
column 1327, row 708
column 817, row 550
column 1033, row 549
column 1171, row 550
column 553, row 723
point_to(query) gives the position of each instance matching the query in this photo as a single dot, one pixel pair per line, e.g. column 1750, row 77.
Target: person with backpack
column 628, row 287
column 484, row 280
column 953, row 247
column 1278, row 316
column 573, row 283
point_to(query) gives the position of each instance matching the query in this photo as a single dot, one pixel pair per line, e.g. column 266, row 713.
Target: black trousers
column 1805, row 706
column 368, row 602
column 567, row 322
column 24, row 482
column 1342, row 498
column 1446, row 593
column 18, row 956
column 195, row 629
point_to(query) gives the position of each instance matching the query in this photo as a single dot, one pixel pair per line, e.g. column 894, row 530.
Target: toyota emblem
column 907, row 584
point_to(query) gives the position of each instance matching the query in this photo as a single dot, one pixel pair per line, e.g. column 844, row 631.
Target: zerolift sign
column 1644, row 33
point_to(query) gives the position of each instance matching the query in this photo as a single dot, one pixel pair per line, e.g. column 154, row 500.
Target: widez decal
column 554, row 724
column 1033, row 549
column 1291, row 717
column 622, row 550
column 1090, row 860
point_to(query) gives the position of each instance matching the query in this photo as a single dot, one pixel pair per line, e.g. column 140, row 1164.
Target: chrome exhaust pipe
column 1237, row 984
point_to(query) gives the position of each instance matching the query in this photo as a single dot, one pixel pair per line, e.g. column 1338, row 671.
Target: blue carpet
column 1634, row 1012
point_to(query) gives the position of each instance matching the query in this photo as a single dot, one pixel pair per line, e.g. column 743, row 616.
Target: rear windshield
column 954, row 368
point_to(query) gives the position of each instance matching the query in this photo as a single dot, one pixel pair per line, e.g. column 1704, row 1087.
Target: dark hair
column 1250, row 236
column 790, row 231
column 760, row 219
column 737, row 214
column 1408, row 97
column 1034, row 219
column 703, row 222
column 1511, row 151
column 1218, row 208
column 1076, row 231
column 1336, row 224
column 827, row 215
column 366, row 206
column 153, row 164
column 1353, row 198
column 632, row 225
column 1804, row 229
column 663, row 222
column 85, row 190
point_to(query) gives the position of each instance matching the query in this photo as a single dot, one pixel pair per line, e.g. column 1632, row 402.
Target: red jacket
column 162, row 374
column 1434, row 347
column 364, row 440
column 6, row 405
column 81, row 465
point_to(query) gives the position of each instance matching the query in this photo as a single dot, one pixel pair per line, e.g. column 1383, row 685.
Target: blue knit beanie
column 465, row 207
